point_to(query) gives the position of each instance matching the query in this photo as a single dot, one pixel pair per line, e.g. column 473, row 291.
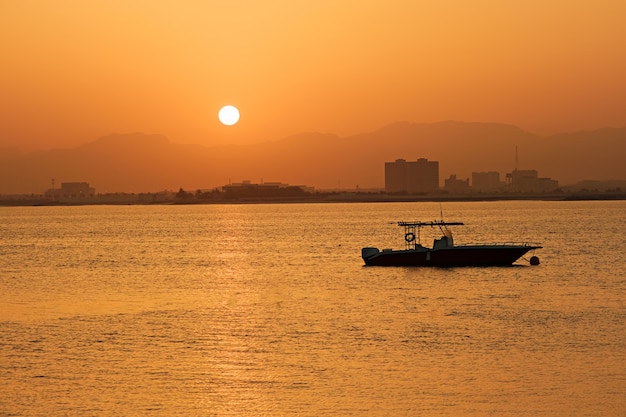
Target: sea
column 268, row 310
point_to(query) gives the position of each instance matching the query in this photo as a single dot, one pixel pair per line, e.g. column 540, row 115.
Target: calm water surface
column 267, row 310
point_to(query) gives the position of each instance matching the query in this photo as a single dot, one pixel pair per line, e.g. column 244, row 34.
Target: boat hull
column 484, row 255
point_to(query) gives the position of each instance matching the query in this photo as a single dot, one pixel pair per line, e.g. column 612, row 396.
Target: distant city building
column 71, row 190
column 266, row 189
column 456, row 186
column 395, row 176
column 486, row 181
column 528, row 181
column 421, row 176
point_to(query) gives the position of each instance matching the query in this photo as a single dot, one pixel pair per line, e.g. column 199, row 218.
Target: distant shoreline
column 331, row 197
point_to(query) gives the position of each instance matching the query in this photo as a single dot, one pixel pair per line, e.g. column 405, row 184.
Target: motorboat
column 444, row 253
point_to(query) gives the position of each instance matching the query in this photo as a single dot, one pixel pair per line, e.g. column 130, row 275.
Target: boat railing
column 525, row 244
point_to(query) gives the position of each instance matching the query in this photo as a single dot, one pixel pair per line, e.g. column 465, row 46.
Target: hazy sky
column 74, row 70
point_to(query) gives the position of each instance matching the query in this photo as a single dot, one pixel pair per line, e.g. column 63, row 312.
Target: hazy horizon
column 181, row 141
column 150, row 162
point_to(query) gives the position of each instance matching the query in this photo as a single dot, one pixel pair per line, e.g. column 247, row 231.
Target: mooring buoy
column 534, row 260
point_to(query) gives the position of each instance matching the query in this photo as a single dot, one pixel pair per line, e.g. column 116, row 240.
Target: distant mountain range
column 146, row 163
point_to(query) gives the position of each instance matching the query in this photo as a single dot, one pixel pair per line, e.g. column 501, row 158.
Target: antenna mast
column 516, row 159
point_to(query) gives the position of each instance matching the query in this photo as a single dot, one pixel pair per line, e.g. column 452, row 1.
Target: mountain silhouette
column 140, row 162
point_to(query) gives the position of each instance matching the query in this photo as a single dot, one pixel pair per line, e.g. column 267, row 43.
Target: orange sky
column 72, row 70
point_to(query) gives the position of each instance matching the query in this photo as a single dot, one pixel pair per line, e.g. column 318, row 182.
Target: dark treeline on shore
column 295, row 195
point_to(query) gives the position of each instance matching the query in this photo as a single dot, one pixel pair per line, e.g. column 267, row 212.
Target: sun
column 228, row 115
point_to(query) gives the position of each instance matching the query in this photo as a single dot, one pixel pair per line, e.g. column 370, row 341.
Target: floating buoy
column 534, row 260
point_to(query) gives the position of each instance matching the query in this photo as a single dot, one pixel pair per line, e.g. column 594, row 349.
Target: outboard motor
column 368, row 252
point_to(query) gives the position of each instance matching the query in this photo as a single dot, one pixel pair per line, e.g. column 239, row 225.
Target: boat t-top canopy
column 413, row 239
column 431, row 223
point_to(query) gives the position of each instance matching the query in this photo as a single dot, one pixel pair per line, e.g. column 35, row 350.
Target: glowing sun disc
column 228, row 115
